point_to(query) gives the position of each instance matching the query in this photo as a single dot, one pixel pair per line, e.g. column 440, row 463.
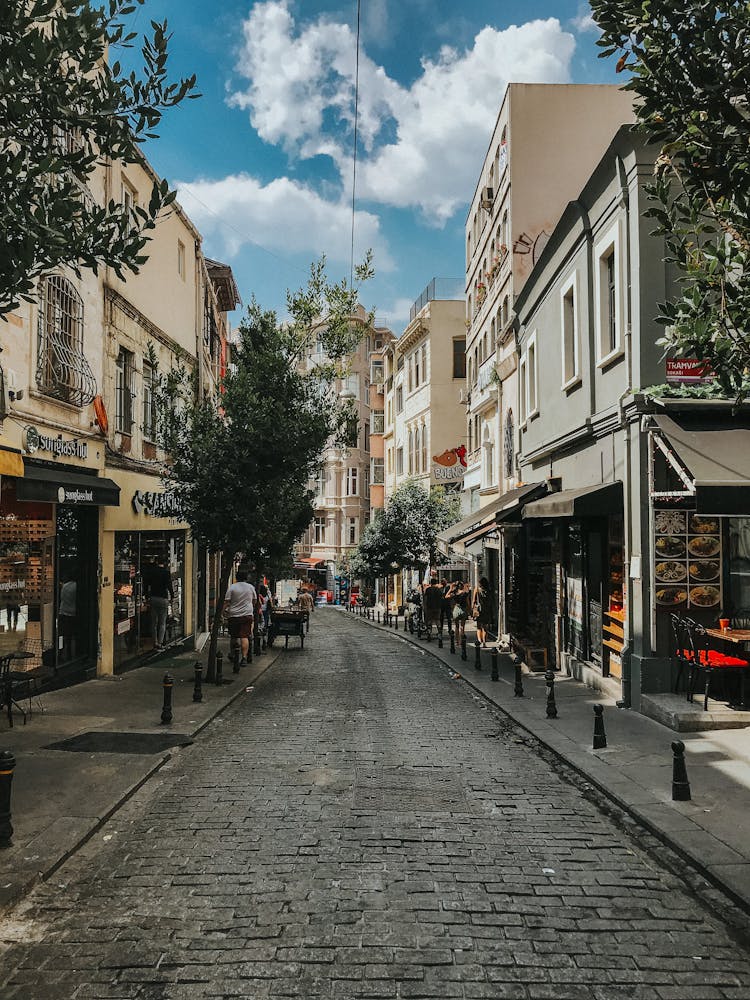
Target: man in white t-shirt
column 240, row 606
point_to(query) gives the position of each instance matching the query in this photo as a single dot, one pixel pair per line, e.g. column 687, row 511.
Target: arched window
column 488, row 458
column 504, row 234
column 411, row 453
column 417, row 451
column 506, row 311
column 509, row 444
column 485, row 353
column 424, row 448
column 493, row 335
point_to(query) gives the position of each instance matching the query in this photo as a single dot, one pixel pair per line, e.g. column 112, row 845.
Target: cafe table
column 737, row 637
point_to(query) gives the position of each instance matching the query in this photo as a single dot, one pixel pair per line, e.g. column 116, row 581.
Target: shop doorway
column 76, row 585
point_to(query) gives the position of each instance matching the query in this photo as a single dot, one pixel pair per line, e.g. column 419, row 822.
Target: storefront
column 49, row 562
column 145, row 534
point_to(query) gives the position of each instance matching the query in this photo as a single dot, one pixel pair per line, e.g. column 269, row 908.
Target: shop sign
column 575, row 601
column 156, row 504
column 64, row 495
column 57, row 446
column 450, row 466
column 690, row 371
column 8, row 585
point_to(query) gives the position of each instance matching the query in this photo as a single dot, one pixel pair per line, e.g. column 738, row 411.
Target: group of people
column 455, row 603
column 244, row 605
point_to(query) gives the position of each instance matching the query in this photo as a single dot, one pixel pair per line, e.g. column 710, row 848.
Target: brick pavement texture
column 362, row 826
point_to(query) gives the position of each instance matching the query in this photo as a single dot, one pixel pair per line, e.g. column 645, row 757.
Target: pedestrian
column 306, row 601
column 483, row 610
column 160, row 593
column 460, row 609
column 264, row 607
column 446, row 606
column 432, row 600
column 240, row 606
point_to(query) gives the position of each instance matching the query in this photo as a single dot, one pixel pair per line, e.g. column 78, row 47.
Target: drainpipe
column 198, row 580
column 626, row 700
column 586, row 223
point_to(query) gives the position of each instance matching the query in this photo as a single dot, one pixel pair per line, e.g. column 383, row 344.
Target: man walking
column 160, row 593
column 431, row 604
column 240, row 606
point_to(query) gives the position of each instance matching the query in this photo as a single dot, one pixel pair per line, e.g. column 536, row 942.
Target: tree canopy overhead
column 690, row 68
column 63, row 108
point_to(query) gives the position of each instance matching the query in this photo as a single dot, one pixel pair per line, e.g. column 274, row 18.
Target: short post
column 428, row 632
column 477, row 655
column 198, row 688
column 600, row 737
column 166, row 712
column 440, row 640
column 464, row 657
column 406, row 623
column 219, row 669
column 411, row 624
column 256, row 642
column 493, row 659
column 236, row 653
column 211, row 670
column 518, row 686
column 378, row 616
column 549, row 680
column 7, row 767
column 453, row 641
column 680, row 783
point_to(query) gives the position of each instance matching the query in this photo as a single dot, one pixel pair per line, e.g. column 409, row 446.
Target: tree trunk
column 227, row 561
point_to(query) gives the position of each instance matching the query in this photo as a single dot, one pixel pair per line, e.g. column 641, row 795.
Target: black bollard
column 463, row 648
column 549, row 680
column 453, row 642
column 600, row 737
column 440, row 640
column 477, row 655
column 236, row 654
column 680, row 783
column 7, row 766
column 198, row 688
column 219, row 669
column 411, row 625
column 378, row 616
column 166, row 712
column 518, row 686
column 210, row 670
column 493, row 659
column 256, row 643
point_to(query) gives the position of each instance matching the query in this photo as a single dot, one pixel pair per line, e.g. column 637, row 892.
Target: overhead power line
column 354, row 152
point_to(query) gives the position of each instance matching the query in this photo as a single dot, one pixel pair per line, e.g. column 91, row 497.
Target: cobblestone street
column 361, row 826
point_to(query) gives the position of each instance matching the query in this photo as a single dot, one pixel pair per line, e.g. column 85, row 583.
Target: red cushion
column 713, row 659
column 685, row 654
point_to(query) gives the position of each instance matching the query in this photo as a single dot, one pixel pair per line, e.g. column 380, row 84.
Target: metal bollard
column 198, row 688
column 518, row 686
column 378, row 616
column 453, row 642
column 477, row 655
column 256, row 643
column 219, row 669
column 440, row 640
column 166, row 712
column 493, row 659
column 411, row 625
column 463, row 648
column 549, row 680
column 236, row 654
column 680, row 783
column 7, row 766
column 600, row 737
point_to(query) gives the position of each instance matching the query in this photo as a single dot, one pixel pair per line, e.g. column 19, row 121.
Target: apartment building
column 381, row 339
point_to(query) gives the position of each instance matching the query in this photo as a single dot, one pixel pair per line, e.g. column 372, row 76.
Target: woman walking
column 460, row 609
column 483, row 609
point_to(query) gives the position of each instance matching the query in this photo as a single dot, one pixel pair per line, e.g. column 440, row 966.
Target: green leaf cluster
column 689, row 66
column 64, row 109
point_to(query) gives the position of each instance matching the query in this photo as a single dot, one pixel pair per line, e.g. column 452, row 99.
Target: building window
column 351, row 482
column 523, row 403
column 459, row 357
column 124, row 392
column 488, row 464
column 531, row 377
column 417, row 380
column 399, row 398
column 411, row 453
column 569, row 323
column 319, row 531
column 424, row 362
column 608, row 297
column 509, row 443
column 62, row 369
column 417, row 449
column 320, row 483
column 377, row 422
column 376, row 373
column 352, row 530
column 399, row 461
column 378, row 472
column 424, row 448
column 149, row 401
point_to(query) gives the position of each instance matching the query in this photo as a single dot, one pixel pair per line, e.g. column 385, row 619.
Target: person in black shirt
column 160, row 594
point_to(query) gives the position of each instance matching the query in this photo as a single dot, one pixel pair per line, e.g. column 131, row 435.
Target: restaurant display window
column 139, row 557
column 48, row 561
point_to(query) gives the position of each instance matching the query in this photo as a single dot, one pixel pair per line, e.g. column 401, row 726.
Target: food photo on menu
column 687, row 565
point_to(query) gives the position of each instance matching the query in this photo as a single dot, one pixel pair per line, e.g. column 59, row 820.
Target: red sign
column 688, row 370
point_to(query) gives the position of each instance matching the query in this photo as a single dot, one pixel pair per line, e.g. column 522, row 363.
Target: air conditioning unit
column 488, row 196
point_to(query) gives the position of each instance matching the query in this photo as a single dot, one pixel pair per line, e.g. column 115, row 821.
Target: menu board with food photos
column 687, row 560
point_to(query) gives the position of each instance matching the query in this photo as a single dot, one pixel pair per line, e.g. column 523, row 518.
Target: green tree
column 63, row 109
column 241, row 464
column 690, row 69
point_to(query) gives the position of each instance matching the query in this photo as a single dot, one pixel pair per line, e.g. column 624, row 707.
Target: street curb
column 741, row 900
column 24, row 888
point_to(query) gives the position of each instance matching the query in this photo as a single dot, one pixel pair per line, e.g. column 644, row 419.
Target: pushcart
column 287, row 622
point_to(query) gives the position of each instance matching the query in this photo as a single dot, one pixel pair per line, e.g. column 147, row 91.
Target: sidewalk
column 60, row 799
column 635, row 770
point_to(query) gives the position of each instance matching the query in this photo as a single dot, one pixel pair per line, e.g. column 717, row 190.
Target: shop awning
column 472, row 528
column 588, row 501
column 11, row 461
column 55, row 485
column 309, row 562
column 715, row 451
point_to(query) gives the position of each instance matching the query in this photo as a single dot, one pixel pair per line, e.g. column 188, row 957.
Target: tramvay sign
column 156, row 504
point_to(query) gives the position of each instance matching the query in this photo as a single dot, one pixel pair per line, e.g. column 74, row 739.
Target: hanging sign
column 450, row 466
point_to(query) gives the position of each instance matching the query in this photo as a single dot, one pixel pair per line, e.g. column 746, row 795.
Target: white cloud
column 421, row 145
column 282, row 215
column 584, row 21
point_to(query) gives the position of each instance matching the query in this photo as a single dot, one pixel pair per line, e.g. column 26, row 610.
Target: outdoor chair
column 709, row 661
column 681, row 652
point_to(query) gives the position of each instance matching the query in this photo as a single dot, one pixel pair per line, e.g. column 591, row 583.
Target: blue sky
column 263, row 160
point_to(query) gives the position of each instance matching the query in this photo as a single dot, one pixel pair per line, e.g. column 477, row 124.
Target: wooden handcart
column 287, row 622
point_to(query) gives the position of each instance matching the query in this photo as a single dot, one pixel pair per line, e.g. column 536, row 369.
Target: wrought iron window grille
column 62, row 369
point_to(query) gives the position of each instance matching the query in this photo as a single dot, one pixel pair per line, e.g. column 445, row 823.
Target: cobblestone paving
column 361, row 826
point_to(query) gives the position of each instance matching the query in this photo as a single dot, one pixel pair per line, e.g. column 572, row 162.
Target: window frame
column 607, row 247
column 569, row 290
column 149, row 412
column 124, row 376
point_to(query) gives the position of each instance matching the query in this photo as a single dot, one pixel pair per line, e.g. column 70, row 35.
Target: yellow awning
column 11, row 462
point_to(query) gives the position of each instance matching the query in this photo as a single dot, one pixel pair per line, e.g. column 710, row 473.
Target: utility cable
column 354, row 156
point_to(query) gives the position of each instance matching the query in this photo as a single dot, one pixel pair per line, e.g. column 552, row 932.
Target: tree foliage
column 690, row 69
column 63, row 108
column 404, row 536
